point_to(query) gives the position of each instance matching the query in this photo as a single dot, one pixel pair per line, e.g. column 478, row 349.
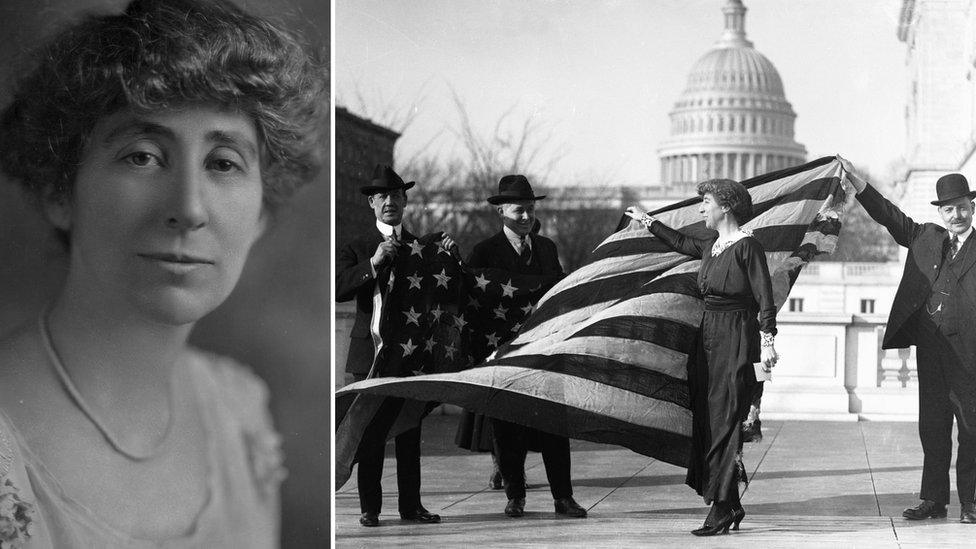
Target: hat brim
column 370, row 190
column 970, row 195
column 509, row 199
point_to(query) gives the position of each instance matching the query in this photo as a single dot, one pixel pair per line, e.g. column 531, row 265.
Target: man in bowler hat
column 516, row 248
column 362, row 273
column 935, row 310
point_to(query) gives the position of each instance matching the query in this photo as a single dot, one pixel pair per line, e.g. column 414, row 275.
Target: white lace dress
column 242, row 508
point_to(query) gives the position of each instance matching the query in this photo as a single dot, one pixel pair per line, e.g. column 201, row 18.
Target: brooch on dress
column 265, row 457
column 16, row 517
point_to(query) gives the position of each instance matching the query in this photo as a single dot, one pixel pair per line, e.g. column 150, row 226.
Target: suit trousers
column 370, row 458
column 511, row 446
column 946, row 389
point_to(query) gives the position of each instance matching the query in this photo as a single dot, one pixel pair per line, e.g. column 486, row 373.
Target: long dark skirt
column 721, row 385
column 474, row 432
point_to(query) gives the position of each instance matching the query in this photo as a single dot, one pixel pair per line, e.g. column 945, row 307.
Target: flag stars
column 460, row 322
column 429, row 345
column 416, row 248
column 492, row 340
column 413, row 317
column 474, row 303
column 449, row 351
column 481, row 282
column 436, row 312
column 500, row 312
column 508, row 290
column 415, row 281
column 442, row 278
column 527, row 309
column 408, row 347
column 516, row 327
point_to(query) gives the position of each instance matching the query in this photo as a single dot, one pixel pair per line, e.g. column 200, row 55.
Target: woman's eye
column 223, row 165
column 141, row 158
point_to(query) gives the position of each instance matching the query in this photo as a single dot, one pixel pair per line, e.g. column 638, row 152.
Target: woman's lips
column 178, row 263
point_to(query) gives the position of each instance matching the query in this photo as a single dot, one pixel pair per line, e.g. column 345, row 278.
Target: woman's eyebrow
column 138, row 127
column 233, row 138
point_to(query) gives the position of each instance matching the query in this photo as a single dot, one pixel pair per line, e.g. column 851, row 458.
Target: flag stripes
column 575, row 305
column 615, row 373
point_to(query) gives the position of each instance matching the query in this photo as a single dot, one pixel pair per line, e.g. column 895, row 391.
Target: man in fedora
column 517, row 249
column 935, row 310
column 362, row 273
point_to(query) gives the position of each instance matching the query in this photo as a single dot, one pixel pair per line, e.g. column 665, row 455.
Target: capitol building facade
column 733, row 119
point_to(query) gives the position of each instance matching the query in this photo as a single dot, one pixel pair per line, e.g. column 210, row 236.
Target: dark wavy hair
column 160, row 54
column 729, row 193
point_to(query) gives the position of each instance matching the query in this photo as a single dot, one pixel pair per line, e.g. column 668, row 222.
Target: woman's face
column 164, row 211
column 711, row 211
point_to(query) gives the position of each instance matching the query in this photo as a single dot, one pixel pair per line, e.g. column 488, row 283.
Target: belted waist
column 723, row 303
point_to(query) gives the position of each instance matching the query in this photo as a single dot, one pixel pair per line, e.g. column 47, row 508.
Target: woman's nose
column 187, row 209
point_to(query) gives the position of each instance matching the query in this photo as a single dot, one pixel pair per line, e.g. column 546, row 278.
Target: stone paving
column 813, row 484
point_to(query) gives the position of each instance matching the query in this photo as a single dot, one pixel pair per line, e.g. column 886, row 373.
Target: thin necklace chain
column 76, row 397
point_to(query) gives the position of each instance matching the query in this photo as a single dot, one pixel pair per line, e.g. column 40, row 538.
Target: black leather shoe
column 370, row 519
column 720, row 521
column 569, row 507
column 421, row 515
column 968, row 514
column 924, row 510
column 515, row 507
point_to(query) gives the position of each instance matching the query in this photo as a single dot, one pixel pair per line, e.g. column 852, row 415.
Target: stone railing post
column 896, row 367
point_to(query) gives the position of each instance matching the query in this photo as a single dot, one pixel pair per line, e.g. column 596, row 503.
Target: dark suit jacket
column 497, row 252
column 354, row 280
column 926, row 243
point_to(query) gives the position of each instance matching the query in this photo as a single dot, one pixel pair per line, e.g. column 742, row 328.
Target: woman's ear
column 264, row 222
column 57, row 209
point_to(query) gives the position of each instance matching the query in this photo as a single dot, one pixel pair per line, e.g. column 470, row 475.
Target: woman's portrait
column 163, row 206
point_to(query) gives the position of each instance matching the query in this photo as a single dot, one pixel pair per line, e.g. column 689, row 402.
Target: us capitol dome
column 732, row 120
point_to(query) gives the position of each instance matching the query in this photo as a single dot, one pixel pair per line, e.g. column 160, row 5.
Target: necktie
column 525, row 256
column 954, row 246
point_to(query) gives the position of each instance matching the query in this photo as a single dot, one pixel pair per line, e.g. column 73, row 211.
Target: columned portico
column 732, row 120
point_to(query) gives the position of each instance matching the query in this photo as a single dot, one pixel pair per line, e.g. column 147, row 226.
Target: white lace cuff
column 767, row 339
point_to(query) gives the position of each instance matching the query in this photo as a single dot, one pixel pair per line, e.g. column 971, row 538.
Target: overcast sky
column 602, row 75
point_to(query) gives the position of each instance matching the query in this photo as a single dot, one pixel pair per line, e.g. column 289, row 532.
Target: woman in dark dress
column 737, row 331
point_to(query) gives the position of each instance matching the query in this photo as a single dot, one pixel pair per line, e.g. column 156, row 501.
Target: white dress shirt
column 515, row 240
column 386, row 231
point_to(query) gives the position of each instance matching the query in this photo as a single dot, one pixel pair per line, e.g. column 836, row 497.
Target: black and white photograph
column 164, row 304
column 622, row 273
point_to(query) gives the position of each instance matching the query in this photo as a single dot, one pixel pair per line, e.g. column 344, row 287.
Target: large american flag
column 436, row 315
column 604, row 355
